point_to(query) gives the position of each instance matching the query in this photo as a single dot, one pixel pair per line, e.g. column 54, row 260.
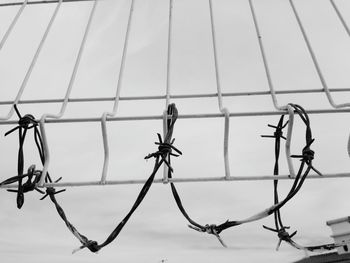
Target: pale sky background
column 157, row 231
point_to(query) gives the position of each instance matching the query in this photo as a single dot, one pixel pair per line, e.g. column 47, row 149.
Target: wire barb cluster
column 50, row 191
column 210, row 229
column 307, row 156
column 164, row 150
column 278, row 133
column 25, row 123
column 282, row 234
column 32, row 176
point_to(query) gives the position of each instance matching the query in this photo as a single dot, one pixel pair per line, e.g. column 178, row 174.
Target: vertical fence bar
column 289, row 140
column 222, row 109
column 168, row 72
column 346, row 27
column 168, row 68
column 66, row 98
column 117, row 97
column 340, row 16
column 41, row 44
column 315, row 61
column 2, row 43
column 13, row 23
column 264, row 58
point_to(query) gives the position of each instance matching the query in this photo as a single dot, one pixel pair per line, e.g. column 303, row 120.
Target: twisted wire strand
column 304, row 169
column 28, row 122
column 280, row 228
column 163, row 150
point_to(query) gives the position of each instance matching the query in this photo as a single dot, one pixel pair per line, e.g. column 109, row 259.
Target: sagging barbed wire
column 165, row 150
column 306, row 159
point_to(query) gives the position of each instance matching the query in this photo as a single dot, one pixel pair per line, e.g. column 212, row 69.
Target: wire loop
column 25, row 123
column 306, row 158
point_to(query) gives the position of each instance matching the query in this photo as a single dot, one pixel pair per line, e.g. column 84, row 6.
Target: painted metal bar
column 167, row 87
column 168, row 67
column 340, row 16
column 68, row 91
column 315, row 61
column 216, row 63
column 289, row 140
column 33, row 62
column 184, row 116
column 40, row 2
column 13, row 23
column 116, row 101
column 346, row 27
column 264, row 58
column 222, row 109
column 189, row 180
column 160, row 97
column 41, row 44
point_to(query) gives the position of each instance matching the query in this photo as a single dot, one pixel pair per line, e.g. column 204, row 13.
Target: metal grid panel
column 222, row 112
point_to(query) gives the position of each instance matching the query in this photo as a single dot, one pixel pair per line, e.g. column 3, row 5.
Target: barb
column 279, row 129
column 282, row 234
column 50, row 191
column 30, row 185
column 26, row 122
column 164, row 149
column 307, row 155
column 210, row 229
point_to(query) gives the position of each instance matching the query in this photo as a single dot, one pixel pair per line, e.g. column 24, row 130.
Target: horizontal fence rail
column 179, row 96
column 187, row 180
column 184, row 116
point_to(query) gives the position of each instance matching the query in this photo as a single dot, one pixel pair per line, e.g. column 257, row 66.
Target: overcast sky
column 157, row 231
